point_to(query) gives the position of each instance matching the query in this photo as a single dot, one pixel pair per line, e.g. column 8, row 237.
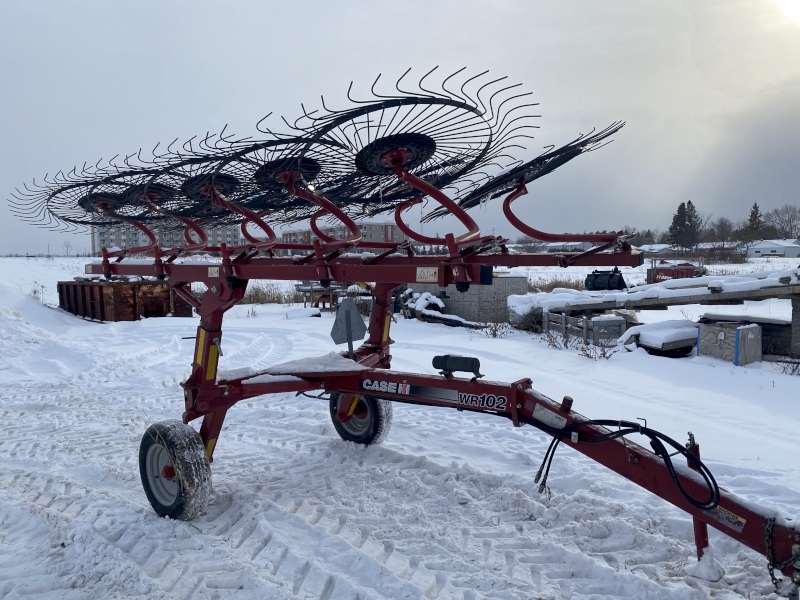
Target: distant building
column 787, row 248
column 126, row 236
column 567, row 246
column 721, row 251
column 655, row 248
column 370, row 232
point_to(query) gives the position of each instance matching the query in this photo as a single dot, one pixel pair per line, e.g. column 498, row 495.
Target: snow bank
column 420, row 304
column 707, row 568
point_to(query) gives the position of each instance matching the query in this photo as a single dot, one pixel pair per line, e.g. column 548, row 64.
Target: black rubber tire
column 370, row 423
column 171, row 443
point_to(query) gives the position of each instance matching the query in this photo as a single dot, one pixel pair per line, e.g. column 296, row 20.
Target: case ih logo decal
column 386, row 386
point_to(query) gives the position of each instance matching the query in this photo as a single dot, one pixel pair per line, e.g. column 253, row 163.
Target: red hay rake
column 452, row 145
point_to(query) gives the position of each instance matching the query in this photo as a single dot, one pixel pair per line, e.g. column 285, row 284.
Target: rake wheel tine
column 469, row 98
column 480, row 89
column 433, row 94
column 500, row 91
column 397, row 83
column 451, row 94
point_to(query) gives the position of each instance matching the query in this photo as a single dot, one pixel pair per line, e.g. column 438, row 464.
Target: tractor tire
column 175, row 472
column 370, row 422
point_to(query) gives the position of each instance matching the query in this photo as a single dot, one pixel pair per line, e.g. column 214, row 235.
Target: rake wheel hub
column 200, row 187
column 410, row 149
column 403, row 156
column 273, row 175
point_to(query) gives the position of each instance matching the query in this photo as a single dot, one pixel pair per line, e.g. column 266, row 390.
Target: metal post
column 795, row 327
column 349, row 328
column 700, row 528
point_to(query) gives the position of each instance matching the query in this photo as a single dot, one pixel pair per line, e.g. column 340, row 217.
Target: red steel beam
column 389, row 270
column 517, row 401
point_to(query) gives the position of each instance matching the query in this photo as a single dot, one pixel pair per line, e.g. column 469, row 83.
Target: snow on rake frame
column 454, row 140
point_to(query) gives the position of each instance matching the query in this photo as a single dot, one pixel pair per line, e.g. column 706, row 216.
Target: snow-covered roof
column 565, row 244
column 654, row 247
column 714, row 245
column 744, row 315
column 783, row 243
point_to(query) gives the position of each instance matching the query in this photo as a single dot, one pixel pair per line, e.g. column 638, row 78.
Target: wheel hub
column 158, row 468
column 274, row 174
column 402, row 156
column 409, row 149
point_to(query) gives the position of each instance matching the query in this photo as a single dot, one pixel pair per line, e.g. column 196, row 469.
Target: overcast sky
column 710, row 90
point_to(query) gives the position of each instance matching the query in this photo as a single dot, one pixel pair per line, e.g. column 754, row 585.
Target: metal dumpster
column 120, row 300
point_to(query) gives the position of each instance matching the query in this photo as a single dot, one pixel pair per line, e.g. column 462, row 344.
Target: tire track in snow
column 298, row 512
column 257, row 552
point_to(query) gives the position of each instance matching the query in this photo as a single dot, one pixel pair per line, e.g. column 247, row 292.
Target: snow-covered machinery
column 605, row 280
column 386, row 153
column 665, row 270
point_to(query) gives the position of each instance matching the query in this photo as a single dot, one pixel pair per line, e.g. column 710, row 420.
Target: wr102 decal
column 483, row 401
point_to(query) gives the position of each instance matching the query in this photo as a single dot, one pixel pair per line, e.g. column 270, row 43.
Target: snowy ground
column 446, row 508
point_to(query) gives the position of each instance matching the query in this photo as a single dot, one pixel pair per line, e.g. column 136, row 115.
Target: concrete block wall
column 482, row 303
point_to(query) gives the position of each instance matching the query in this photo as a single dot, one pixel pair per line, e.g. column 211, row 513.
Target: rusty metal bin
column 120, row 300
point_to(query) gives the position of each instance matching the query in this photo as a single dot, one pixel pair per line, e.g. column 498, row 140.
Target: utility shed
column 733, row 342
column 776, row 333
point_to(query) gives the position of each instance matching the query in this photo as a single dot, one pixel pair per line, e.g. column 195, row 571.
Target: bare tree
column 528, row 244
column 721, row 230
column 67, row 246
column 704, row 224
column 785, row 220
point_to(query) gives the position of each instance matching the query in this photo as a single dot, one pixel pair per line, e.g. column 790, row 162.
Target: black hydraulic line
column 657, row 441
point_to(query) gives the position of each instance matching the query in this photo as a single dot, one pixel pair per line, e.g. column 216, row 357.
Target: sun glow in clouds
column 791, row 8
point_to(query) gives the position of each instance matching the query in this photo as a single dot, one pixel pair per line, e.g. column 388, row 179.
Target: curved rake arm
column 247, row 235
column 288, row 177
column 271, row 240
column 190, row 243
column 473, row 231
column 153, row 246
column 550, row 237
column 317, row 232
column 190, row 226
column 410, row 233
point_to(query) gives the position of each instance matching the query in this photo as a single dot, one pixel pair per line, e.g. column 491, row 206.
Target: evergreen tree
column 755, row 222
column 677, row 229
column 694, row 225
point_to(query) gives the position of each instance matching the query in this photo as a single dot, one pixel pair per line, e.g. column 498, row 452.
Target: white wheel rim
column 355, row 426
column 165, row 490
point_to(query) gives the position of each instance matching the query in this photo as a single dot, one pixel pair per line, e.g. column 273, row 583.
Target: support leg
column 378, row 342
column 700, row 528
column 209, row 430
